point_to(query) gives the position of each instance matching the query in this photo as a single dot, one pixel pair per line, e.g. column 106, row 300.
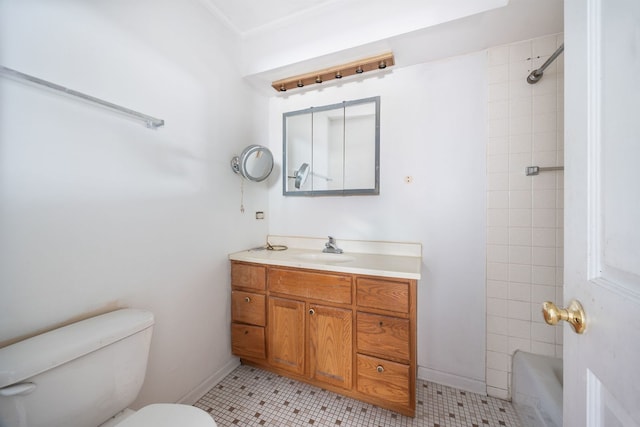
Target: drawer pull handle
column 312, row 312
column 247, row 299
column 380, row 369
column 246, row 332
column 380, row 323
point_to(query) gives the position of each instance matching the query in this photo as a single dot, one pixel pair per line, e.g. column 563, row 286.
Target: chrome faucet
column 331, row 248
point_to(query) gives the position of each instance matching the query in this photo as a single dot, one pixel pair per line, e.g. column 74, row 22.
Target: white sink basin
column 324, row 257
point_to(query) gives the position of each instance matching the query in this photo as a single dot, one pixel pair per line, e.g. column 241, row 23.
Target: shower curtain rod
column 537, row 74
column 151, row 122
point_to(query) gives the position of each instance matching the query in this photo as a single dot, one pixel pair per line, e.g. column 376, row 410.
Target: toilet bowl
column 164, row 415
column 86, row 374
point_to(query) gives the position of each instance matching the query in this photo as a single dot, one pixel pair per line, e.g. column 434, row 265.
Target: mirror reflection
column 332, row 150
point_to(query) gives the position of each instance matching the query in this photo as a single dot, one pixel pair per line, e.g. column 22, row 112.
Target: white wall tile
column 544, row 237
column 521, row 107
column 499, row 110
column 497, row 343
column 543, row 218
column 520, row 51
column 514, row 344
column 519, row 217
column 496, row 378
column 534, row 205
column 498, row 163
column 497, row 307
column 497, row 235
column 497, row 271
column 522, row 143
column 541, row 275
column 498, row 253
column 519, row 181
column 543, row 256
column 519, row 273
column 498, row 145
column 497, row 199
column 544, row 199
column 543, row 332
column 544, row 46
column 498, row 92
column 520, row 236
column 520, row 199
column 545, row 141
column 498, row 393
column 496, row 325
column 519, row 328
column 498, row 361
column 520, row 255
column 543, row 348
column 519, row 310
column 519, row 292
column 497, row 217
column 497, row 181
column 498, row 127
column 498, row 73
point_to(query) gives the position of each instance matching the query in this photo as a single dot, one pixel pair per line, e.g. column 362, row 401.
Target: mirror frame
column 239, row 163
column 344, row 192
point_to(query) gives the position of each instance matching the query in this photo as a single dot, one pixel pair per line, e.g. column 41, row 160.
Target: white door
column 602, row 211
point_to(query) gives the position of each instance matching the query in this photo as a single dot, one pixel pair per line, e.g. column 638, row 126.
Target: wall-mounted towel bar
column 151, row 122
column 535, row 170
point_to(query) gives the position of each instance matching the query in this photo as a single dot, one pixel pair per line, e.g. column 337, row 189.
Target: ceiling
column 285, row 38
column 247, row 16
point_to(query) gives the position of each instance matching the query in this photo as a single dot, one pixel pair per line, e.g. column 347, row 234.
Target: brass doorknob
column 574, row 314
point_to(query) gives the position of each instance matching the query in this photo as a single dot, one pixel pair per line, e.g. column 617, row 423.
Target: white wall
column 524, row 213
column 98, row 212
column 433, row 128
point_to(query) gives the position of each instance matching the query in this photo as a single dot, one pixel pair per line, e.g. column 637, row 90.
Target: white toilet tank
column 78, row 375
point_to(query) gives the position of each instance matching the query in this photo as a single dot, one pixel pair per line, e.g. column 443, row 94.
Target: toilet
column 86, row 375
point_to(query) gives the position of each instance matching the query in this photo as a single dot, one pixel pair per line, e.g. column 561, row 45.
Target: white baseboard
column 206, row 385
column 451, row 380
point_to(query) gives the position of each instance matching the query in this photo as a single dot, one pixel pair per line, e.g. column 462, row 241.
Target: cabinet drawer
column 247, row 307
column 248, row 276
column 248, row 341
column 384, row 380
column 383, row 294
column 383, row 336
column 326, row 287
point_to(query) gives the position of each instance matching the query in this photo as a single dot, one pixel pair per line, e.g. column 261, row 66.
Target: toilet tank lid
column 38, row 354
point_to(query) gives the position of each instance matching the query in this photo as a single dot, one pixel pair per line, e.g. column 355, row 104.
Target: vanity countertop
column 385, row 261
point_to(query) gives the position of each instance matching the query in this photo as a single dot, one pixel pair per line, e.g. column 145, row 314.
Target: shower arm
column 537, row 74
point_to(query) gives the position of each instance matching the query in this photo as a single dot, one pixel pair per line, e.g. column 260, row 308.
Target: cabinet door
column 330, row 336
column 286, row 331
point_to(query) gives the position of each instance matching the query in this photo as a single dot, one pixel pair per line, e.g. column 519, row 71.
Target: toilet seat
column 168, row 415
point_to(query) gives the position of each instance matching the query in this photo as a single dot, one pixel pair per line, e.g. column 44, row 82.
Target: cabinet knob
column 312, row 312
column 380, row 369
column 246, row 332
column 247, row 299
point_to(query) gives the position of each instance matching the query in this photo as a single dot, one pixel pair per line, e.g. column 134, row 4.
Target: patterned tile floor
column 253, row 397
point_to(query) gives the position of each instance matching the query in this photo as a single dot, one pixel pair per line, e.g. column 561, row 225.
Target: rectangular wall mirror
column 333, row 150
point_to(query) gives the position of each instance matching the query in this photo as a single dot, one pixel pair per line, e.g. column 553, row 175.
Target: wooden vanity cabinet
column 350, row 334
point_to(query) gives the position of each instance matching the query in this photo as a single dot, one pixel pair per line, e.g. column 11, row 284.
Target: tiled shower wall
column 524, row 213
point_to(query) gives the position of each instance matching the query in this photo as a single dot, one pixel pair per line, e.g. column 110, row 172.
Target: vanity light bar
column 357, row 67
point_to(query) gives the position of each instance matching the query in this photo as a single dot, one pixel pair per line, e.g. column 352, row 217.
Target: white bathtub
column 536, row 389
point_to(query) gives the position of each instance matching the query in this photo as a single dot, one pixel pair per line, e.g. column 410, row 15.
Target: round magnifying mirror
column 255, row 163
